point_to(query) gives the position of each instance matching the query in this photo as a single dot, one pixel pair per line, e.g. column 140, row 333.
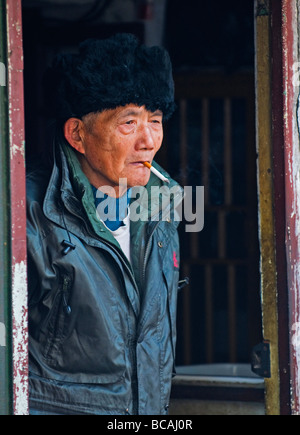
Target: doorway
column 210, row 142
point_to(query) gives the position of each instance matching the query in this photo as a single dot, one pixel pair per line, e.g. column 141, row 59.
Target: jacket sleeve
column 37, row 231
column 32, row 279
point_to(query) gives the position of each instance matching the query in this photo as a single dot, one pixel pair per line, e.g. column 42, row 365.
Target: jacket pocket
column 84, row 336
column 57, row 320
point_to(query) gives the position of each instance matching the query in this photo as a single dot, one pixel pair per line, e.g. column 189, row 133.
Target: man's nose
column 145, row 138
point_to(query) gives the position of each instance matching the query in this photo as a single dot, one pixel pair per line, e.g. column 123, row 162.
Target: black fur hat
column 107, row 74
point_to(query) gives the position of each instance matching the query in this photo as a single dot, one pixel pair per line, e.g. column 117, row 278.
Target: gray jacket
column 102, row 330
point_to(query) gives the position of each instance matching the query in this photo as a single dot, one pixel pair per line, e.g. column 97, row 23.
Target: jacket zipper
column 56, row 330
column 146, row 255
column 65, row 294
column 148, row 246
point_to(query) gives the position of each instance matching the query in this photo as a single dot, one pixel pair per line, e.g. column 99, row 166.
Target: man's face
column 116, row 143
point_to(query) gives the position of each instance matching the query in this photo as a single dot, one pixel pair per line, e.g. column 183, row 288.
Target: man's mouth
column 140, row 163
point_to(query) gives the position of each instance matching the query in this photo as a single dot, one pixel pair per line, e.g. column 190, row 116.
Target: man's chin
column 138, row 181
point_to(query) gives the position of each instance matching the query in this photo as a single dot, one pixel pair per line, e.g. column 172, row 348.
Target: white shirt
column 122, row 235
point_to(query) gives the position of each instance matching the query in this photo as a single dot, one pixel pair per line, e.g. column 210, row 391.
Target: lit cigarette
column 156, row 172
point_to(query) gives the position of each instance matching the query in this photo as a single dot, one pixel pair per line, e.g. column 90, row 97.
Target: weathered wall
column 291, row 58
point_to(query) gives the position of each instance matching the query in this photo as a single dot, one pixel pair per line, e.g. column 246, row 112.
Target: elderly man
column 103, row 287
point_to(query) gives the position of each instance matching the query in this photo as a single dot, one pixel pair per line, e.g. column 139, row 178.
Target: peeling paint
column 291, row 55
column 17, row 202
column 295, row 338
column 16, row 149
column 20, row 338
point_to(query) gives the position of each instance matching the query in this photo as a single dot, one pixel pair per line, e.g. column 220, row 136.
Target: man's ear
column 73, row 132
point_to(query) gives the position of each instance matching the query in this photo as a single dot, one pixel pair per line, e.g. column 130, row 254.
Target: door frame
column 279, row 189
column 265, row 174
column 278, row 177
column 14, row 395
column 291, row 129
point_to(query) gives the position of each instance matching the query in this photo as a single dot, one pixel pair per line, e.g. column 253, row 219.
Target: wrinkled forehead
column 119, row 113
